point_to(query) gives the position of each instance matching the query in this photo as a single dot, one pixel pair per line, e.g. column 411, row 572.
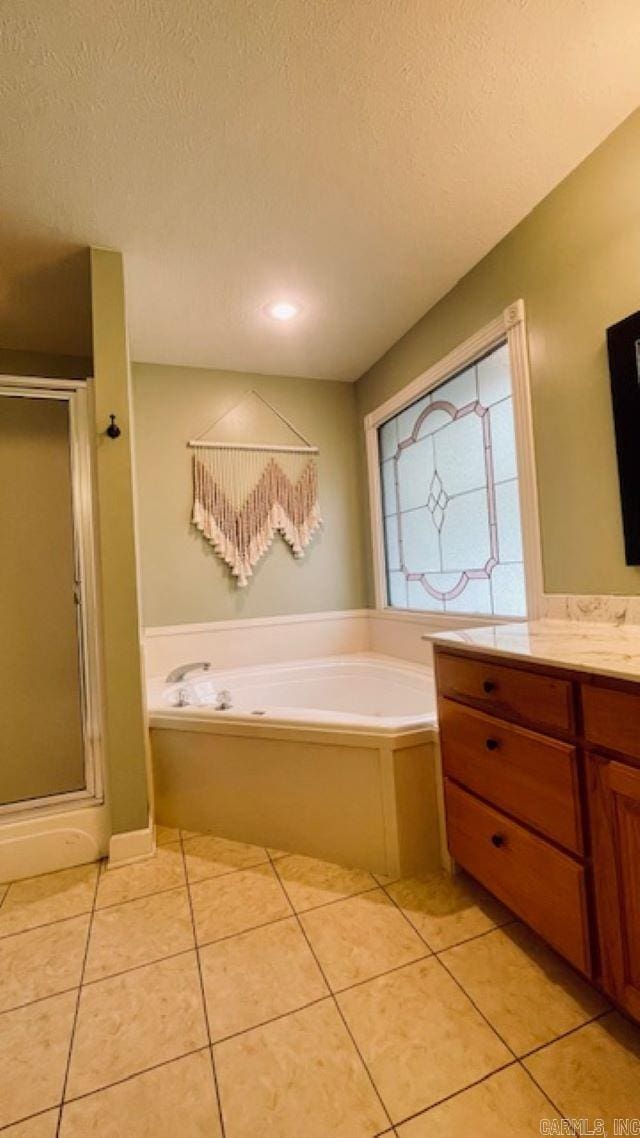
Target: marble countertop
column 605, row 649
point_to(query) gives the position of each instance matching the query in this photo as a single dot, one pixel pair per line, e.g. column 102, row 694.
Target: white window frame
column 510, row 326
column 78, row 394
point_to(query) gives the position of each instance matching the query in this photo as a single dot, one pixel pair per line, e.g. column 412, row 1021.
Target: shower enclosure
column 50, row 718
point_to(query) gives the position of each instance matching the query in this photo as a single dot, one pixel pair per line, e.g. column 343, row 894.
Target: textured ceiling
column 357, row 156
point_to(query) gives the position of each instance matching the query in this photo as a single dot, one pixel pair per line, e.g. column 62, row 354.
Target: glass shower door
column 42, row 735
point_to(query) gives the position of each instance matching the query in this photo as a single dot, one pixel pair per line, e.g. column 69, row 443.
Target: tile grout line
column 255, row 928
column 169, row 889
column 125, row 1079
column 511, row 1065
column 476, row 936
column 214, row 1074
column 231, row 936
column 478, row 1010
column 379, row 975
column 564, row 1034
column 491, row 1027
column 517, row 1060
column 85, row 912
column 136, row 967
column 77, row 1007
column 337, row 900
column 46, row 925
column 30, row 1117
column 38, row 1000
column 331, row 993
column 546, row 1095
column 310, row 909
column 436, row 951
column 272, row 1019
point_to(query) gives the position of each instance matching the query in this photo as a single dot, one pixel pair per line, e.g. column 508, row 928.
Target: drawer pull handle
column 489, row 686
column 492, row 744
column 498, row 840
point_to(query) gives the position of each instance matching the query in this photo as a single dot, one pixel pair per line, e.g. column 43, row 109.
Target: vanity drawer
column 542, row 885
column 611, row 719
column 529, row 776
column 537, row 700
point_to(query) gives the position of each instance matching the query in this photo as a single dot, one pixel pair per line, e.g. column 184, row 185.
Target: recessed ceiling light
column 282, row 310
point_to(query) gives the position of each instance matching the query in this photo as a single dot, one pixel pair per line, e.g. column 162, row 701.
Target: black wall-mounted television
column 623, row 345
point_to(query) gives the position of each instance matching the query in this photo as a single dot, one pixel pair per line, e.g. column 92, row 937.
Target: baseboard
column 52, row 841
column 130, row 846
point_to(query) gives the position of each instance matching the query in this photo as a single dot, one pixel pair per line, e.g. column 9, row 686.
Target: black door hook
column 113, row 430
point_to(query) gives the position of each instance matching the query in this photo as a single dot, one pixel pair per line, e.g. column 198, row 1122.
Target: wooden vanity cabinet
column 614, row 809
column 542, row 799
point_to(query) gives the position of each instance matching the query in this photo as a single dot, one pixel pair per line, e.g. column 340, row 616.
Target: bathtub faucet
column 180, row 673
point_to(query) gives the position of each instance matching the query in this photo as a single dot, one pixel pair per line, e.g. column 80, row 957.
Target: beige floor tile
column 361, row 937
column 51, row 897
column 42, row 1126
column 166, row 834
column 253, row 977
column 42, row 961
column 298, row 1076
column 507, row 1103
column 523, row 988
column 176, row 1100
column 139, row 932
column 236, row 902
column 208, row 856
column 448, row 909
column 136, row 1020
column 34, row 1045
column 310, row 882
column 420, row 1036
column 165, row 870
column 593, row 1073
column 3, row 892
column 275, row 854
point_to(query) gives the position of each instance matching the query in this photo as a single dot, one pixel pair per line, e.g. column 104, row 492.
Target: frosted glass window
column 450, row 499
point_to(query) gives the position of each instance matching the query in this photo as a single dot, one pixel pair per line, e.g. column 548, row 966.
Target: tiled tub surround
column 277, row 639
column 225, row 989
column 390, row 632
column 335, row 758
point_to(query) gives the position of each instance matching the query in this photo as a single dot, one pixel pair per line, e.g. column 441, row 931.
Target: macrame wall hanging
column 245, row 493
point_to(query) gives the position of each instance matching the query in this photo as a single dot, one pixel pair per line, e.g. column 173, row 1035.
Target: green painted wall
column 126, row 734
column 576, row 262
column 182, row 578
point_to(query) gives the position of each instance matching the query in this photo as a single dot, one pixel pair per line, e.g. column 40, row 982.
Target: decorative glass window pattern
column 450, row 500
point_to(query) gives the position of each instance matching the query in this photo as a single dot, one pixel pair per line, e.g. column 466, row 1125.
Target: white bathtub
column 359, row 692
column 333, row 757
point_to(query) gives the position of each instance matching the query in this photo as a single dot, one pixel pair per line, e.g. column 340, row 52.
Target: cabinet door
column 614, row 800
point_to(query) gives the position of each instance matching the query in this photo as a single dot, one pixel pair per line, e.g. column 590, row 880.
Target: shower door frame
column 78, row 395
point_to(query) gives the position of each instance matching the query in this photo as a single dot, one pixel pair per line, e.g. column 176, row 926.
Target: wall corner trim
column 132, row 845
